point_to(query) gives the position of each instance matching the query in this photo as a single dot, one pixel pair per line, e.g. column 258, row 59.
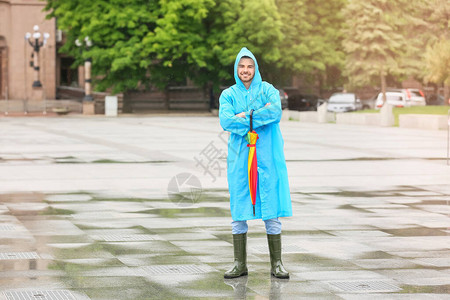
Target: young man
column 251, row 95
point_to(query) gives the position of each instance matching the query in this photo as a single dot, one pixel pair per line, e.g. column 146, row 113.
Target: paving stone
column 176, row 269
column 384, row 263
column 18, row 255
column 286, row 248
column 69, row 198
column 360, row 233
column 383, row 296
column 339, row 275
column 418, row 277
column 433, row 261
column 420, row 193
column 125, row 238
column 364, row 286
column 43, row 295
column 7, row 227
column 440, row 209
column 422, row 254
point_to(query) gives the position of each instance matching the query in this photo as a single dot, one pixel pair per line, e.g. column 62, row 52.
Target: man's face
column 246, row 70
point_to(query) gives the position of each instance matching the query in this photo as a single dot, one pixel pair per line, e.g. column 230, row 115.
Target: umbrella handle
column 251, row 120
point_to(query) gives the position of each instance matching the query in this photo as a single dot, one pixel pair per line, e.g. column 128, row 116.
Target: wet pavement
column 137, row 208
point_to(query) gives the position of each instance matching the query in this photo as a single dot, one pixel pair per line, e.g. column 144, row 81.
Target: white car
column 397, row 99
column 343, row 102
column 416, row 97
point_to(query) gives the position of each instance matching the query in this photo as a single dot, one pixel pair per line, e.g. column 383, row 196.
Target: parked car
column 397, row 99
column 304, row 102
column 343, row 102
column 415, row 97
column 436, row 99
column 370, row 102
column 284, row 98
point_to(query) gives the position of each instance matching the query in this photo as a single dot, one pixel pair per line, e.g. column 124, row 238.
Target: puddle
column 417, row 231
column 144, row 290
column 122, row 248
column 81, row 265
column 432, row 202
column 427, row 289
column 349, row 206
column 94, row 250
column 212, row 282
column 190, row 212
column 22, row 197
column 56, row 211
column 376, row 255
column 315, row 262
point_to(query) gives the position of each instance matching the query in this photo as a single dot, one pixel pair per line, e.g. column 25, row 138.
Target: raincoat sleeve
column 228, row 119
column 271, row 113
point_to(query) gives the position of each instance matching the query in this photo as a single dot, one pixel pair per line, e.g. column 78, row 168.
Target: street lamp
column 36, row 44
column 87, row 69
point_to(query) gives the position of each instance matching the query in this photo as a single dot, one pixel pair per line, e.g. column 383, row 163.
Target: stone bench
column 368, row 119
column 307, row 116
column 430, row 122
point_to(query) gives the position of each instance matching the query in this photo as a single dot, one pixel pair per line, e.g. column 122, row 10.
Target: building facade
column 17, row 72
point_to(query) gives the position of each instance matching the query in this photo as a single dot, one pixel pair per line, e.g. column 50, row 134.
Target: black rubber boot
column 240, row 257
column 277, row 268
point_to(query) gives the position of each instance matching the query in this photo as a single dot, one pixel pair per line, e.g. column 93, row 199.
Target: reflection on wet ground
column 341, row 244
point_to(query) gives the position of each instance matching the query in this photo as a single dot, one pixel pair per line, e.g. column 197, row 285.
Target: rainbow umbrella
column 252, row 136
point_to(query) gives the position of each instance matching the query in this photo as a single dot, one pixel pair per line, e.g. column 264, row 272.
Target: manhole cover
column 364, row 286
column 285, row 249
column 124, row 237
column 19, row 255
column 175, row 269
column 40, row 295
column 7, row 227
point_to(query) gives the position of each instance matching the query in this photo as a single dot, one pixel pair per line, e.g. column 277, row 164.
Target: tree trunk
column 209, row 95
column 446, row 95
column 319, row 84
column 166, row 98
column 383, row 85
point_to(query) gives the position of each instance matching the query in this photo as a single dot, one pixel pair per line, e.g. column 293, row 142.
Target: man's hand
column 241, row 115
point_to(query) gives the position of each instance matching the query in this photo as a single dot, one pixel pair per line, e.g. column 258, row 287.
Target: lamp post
column 87, row 43
column 36, row 43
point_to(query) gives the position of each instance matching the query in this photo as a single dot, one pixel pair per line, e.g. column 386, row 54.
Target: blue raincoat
column 273, row 197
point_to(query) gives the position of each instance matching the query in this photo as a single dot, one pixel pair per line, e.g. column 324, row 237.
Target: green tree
column 437, row 58
column 373, row 41
column 437, row 54
column 257, row 25
column 312, row 47
column 138, row 43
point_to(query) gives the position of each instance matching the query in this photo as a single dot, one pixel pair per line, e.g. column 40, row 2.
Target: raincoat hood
column 256, row 79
